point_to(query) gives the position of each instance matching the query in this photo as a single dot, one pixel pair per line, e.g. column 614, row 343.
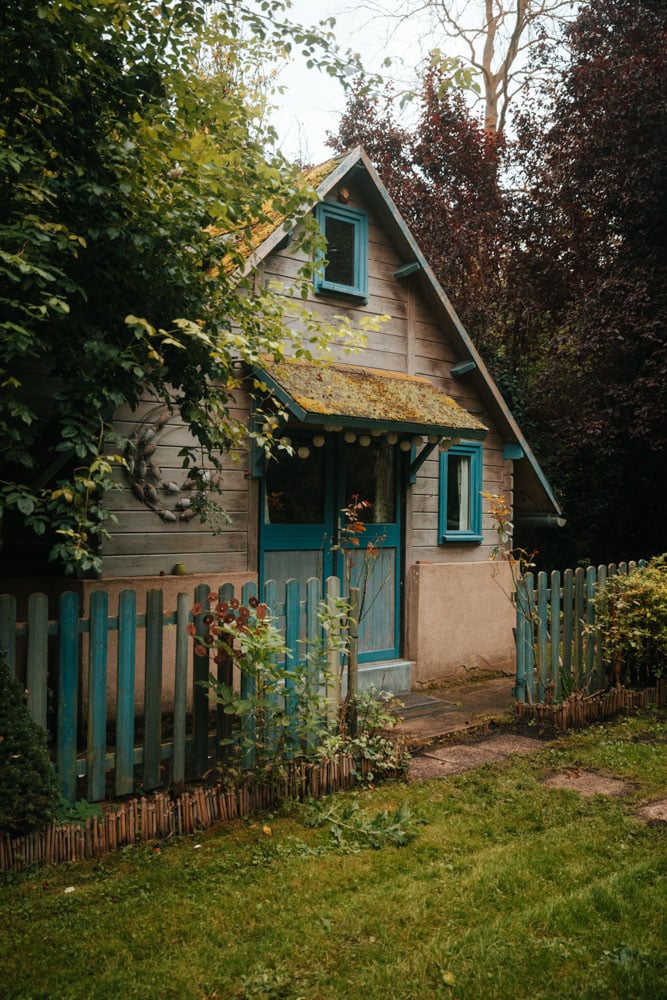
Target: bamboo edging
column 580, row 710
column 162, row 815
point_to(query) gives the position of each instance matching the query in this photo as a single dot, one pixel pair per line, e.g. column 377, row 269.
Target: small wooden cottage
column 410, row 429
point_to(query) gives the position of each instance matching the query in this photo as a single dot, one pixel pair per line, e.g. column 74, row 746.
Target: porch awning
column 367, row 398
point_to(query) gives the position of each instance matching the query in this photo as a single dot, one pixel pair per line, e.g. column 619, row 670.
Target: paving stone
column 464, row 756
column 510, row 744
column 587, row 783
column 655, row 812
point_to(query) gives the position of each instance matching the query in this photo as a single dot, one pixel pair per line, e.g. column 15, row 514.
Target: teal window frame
column 358, row 218
column 473, row 533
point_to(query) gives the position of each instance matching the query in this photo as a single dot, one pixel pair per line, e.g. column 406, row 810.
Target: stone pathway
column 436, row 762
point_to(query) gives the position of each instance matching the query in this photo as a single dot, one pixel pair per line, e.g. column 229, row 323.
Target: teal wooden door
column 305, row 531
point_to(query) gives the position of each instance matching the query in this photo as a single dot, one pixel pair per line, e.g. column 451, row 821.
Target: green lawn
column 509, row 890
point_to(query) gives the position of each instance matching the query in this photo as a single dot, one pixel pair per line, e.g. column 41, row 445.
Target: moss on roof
column 371, row 395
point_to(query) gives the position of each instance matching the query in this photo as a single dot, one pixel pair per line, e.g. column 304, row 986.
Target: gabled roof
column 533, row 494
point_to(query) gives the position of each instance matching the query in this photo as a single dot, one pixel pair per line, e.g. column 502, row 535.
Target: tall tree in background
column 595, row 221
column 552, row 248
column 490, row 39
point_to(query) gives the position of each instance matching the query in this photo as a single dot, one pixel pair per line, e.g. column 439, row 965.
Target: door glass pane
column 370, row 474
column 294, row 487
column 340, row 252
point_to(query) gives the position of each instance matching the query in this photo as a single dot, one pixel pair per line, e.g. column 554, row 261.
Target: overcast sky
column 314, row 102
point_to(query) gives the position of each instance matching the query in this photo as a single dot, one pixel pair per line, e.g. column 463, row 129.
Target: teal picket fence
column 70, row 664
column 557, row 650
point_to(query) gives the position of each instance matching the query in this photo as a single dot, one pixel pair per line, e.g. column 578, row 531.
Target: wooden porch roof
column 352, row 396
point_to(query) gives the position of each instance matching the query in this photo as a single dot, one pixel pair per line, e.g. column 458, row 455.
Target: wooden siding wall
column 412, row 341
column 141, row 544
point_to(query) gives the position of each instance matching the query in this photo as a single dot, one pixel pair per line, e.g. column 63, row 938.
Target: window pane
column 370, row 474
column 295, row 487
column 458, row 493
column 340, row 252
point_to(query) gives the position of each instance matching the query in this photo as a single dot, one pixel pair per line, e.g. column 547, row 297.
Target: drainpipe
column 540, row 521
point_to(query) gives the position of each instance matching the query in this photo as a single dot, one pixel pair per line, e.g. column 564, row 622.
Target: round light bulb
column 405, row 445
column 392, row 438
column 350, row 437
column 319, row 441
column 303, row 451
column 365, row 440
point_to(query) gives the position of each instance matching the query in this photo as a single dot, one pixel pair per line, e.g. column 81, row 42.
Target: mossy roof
column 367, row 397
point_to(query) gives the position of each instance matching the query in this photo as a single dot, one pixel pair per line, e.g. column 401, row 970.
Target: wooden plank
column 37, row 667
column 200, row 673
column 276, row 610
column 225, row 675
column 126, row 659
column 180, row 688
column 590, row 587
column 542, row 637
column 334, row 655
column 578, row 664
column 153, row 689
column 8, row 629
column 97, row 695
column 292, row 635
column 555, row 584
column 189, row 540
column 599, row 647
column 207, row 562
column 68, row 692
column 249, row 684
column 568, row 625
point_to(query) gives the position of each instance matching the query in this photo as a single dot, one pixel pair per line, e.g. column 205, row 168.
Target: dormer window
column 345, row 270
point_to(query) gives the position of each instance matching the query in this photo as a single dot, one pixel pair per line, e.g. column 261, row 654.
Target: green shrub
column 631, row 619
column 28, row 787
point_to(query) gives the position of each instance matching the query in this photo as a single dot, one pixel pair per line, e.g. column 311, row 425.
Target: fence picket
column 292, row 629
column 68, row 694
column 579, row 581
column 542, row 637
column 200, row 670
column 38, row 658
column 589, row 635
column 555, row 634
column 97, row 695
column 180, row 689
column 153, row 690
column 127, row 632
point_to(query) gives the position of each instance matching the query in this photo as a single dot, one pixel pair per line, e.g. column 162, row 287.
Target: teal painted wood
column 68, row 694
column 8, row 630
column 590, row 588
column 568, row 624
column 97, row 695
column 313, row 647
column 225, row 673
column 578, row 624
column 524, row 639
column 599, row 649
column 543, row 683
column 180, row 688
column 334, row 654
column 249, row 683
column 37, row 666
column 200, row 672
column 153, row 689
column 276, row 610
column 292, row 636
column 127, row 642
column 555, row 603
